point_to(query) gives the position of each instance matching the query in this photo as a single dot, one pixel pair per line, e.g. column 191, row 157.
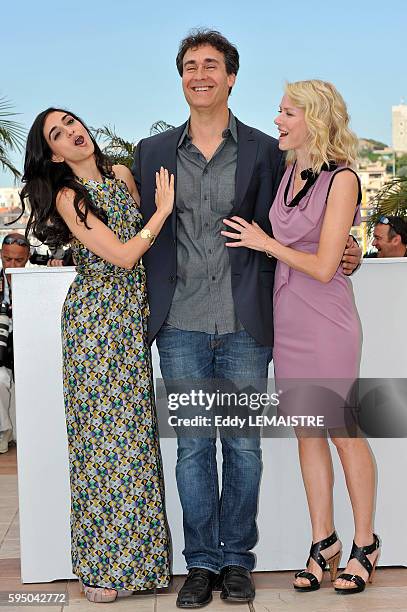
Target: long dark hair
column 44, row 179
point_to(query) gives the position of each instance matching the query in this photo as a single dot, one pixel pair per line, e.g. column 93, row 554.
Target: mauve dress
column 317, row 328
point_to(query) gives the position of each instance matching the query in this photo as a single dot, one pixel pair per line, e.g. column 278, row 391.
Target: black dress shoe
column 237, row 584
column 197, row 589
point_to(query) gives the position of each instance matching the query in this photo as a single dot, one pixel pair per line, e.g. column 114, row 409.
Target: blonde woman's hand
column 249, row 235
column 164, row 192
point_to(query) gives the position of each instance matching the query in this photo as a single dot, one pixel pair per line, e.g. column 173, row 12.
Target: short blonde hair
column 327, row 119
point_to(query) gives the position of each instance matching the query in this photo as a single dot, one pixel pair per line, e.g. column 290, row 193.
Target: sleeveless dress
column 118, row 524
column 317, row 328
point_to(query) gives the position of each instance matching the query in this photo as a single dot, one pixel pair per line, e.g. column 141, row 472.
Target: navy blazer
column 260, row 165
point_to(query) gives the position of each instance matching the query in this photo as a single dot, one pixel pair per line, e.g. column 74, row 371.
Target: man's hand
column 55, row 262
column 351, row 257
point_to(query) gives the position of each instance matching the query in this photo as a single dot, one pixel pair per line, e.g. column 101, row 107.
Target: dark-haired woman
column 118, row 527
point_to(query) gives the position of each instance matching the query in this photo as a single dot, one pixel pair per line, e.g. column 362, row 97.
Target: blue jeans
column 219, row 529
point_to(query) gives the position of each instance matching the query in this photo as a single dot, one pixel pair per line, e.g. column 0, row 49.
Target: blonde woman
column 317, row 331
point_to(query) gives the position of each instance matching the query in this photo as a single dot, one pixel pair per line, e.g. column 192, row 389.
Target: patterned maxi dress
column 118, row 525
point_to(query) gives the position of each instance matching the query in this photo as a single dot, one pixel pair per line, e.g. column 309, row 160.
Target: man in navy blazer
column 211, row 309
column 260, row 165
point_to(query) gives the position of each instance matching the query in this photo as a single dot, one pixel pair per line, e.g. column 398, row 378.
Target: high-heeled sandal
column 98, row 594
column 315, row 554
column 359, row 553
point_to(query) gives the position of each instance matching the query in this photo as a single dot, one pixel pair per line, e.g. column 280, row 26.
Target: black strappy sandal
column 315, row 553
column 359, row 553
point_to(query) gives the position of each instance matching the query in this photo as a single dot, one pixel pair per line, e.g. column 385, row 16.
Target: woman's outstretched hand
column 249, row 235
column 164, row 192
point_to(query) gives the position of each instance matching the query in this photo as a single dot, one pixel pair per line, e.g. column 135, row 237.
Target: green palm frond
column 390, row 200
column 6, row 164
column 112, row 140
column 117, row 149
column 160, row 126
column 12, row 136
column 12, row 133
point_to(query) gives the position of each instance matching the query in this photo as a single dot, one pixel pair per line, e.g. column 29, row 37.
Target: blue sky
column 113, row 62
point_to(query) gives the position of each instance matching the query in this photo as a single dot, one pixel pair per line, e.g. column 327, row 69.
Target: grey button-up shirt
column 205, row 196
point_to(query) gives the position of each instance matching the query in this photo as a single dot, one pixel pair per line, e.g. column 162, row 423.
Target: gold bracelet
column 146, row 234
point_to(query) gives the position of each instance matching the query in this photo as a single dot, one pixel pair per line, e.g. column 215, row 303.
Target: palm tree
column 121, row 151
column 160, row 126
column 12, row 136
column 390, row 200
column 118, row 150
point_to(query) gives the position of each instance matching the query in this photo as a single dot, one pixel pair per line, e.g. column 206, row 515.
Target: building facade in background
column 399, row 128
column 10, row 207
column 373, row 176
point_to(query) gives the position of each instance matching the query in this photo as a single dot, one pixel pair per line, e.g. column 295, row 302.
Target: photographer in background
column 56, row 258
column 61, row 257
column 389, row 237
column 15, row 252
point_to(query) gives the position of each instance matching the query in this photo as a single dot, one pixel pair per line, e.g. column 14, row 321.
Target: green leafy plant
column 160, row 126
column 390, row 200
column 12, row 136
column 119, row 150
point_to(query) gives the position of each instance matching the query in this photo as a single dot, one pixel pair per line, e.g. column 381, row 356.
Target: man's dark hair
column 199, row 37
column 397, row 227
